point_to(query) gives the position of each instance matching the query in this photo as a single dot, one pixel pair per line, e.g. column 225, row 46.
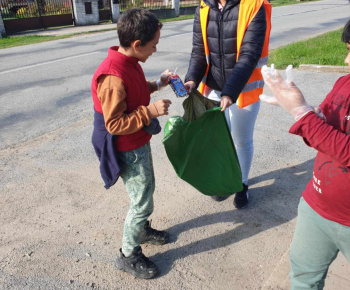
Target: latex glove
column 163, row 80
column 272, row 100
column 287, row 95
column 289, row 72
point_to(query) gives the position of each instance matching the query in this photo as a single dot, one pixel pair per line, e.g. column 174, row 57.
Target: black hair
column 345, row 37
column 137, row 24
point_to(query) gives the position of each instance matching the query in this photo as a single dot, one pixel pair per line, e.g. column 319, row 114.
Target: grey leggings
column 241, row 123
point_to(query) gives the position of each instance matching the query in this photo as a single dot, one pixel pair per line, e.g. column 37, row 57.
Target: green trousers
column 316, row 243
column 138, row 177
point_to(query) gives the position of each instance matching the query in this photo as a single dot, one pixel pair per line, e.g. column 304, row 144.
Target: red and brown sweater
column 121, row 93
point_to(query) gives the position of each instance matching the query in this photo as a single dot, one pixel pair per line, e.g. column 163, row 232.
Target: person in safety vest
column 230, row 45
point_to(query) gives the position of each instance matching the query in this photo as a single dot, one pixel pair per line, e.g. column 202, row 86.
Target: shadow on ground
column 270, row 206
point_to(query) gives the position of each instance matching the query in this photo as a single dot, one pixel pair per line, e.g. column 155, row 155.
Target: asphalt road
column 60, row 229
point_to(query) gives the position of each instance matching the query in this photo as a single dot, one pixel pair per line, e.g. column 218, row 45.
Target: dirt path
column 60, row 229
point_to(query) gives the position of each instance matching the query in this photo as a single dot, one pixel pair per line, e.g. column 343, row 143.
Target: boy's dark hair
column 137, row 24
column 346, row 33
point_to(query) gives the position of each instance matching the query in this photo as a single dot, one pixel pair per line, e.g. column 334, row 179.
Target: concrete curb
column 324, row 68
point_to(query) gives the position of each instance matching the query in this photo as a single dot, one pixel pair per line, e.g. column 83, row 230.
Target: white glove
column 286, row 94
column 265, row 70
column 163, row 80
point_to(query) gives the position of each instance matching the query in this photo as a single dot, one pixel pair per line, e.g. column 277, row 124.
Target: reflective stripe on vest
column 247, row 11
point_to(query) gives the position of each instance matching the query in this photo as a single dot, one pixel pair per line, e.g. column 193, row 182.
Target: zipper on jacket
column 221, row 44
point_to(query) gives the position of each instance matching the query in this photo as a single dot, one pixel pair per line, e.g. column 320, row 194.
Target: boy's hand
column 189, row 86
column 161, row 108
column 225, row 102
column 163, row 80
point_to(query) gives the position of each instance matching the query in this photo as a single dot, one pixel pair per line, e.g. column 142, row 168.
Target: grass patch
column 326, row 49
column 12, row 41
column 181, row 17
column 276, row 3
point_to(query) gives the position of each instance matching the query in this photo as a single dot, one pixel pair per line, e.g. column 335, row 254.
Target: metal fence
column 189, row 3
column 154, row 4
column 149, row 4
column 104, row 4
column 12, row 9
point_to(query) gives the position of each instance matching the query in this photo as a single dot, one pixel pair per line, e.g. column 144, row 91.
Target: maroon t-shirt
column 328, row 192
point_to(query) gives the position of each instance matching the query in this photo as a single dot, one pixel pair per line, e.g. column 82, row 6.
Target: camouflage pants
column 138, row 177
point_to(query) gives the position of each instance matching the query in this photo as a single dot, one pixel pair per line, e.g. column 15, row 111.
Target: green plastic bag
column 203, row 154
column 195, row 105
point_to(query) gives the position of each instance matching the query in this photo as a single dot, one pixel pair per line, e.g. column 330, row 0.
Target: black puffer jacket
column 225, row 74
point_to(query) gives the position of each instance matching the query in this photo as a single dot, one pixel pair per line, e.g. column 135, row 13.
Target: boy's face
column 144, row 52
column 347, row 59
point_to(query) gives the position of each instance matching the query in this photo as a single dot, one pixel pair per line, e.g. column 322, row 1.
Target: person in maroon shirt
column 323, row 223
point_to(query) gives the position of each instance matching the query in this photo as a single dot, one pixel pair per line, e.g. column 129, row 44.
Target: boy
column 323, row 224
column 121, row 96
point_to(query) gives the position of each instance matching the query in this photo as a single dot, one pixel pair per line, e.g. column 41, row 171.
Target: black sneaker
column 241, row 198
column 152, row 236
column 219, row 198
column 137, row 264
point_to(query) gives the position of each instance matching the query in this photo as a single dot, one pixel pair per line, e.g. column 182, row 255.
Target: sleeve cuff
column 152, row 110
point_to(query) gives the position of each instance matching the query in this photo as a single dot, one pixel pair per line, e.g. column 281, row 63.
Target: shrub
column 22, row 12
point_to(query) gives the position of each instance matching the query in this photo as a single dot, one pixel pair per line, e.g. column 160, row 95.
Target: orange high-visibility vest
column 247, row 11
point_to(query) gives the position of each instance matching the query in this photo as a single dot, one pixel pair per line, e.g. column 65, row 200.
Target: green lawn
column 326, row 49
column 12, row 41
column 276, row 3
